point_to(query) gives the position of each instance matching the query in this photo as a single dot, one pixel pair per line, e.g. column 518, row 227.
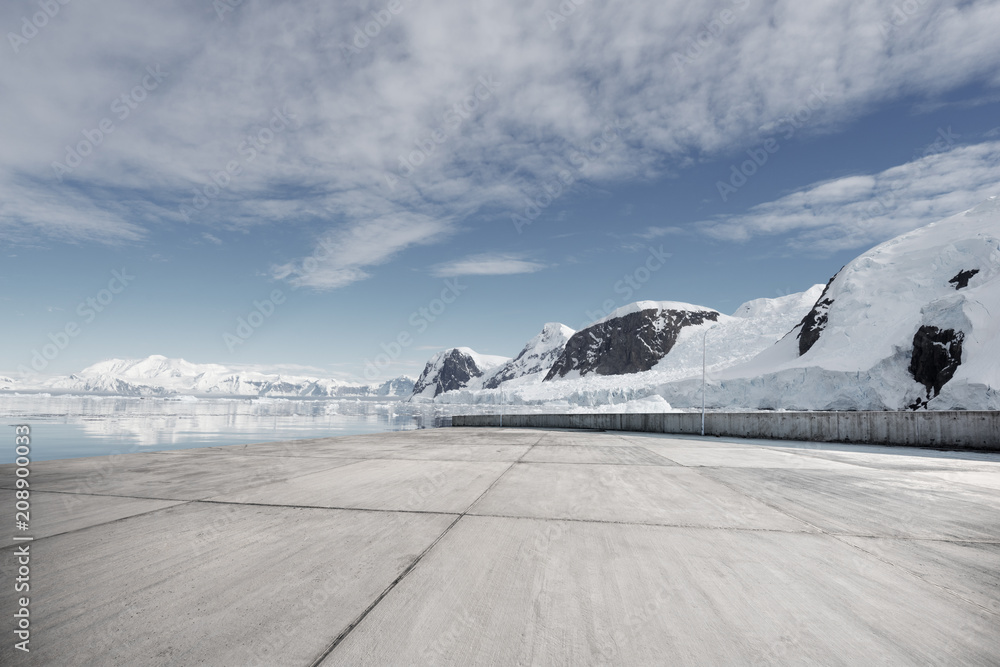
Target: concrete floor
column 511, row 547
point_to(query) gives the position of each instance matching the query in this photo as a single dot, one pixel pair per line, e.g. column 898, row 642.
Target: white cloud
column 357, row 117
column 342, row 255
column 658, row 232
column 30, row 209
column 857, row 211
column 487, row 264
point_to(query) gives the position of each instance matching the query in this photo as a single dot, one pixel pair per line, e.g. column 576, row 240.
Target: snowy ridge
column 455, row 368
column 159, row 376
column 635, row 340
column 730, row 340
column 537, row 356
column 640, row 306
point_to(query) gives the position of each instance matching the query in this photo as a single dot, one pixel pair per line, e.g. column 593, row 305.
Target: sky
column 344, row 189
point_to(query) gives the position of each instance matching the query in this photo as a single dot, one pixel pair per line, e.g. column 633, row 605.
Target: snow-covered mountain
column 632, row 339
column 729, row 340
column 456, row 368
column 911, row 323
column 537, row 356
column 159, row 376
column 401, row 386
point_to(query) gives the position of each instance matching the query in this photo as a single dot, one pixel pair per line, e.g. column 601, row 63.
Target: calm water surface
column 67, row 427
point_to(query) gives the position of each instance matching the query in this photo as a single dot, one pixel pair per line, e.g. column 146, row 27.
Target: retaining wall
column 951, row 429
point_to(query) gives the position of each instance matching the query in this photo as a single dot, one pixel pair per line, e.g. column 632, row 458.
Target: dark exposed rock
column 962, row 278
column 937, row 354
column 504, row 375
column 449, row 373
column 814, row 322
column 631, row 343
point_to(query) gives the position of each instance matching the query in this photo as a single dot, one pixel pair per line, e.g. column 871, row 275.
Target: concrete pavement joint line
column 509, row 468
column 113, row 495
column 737, row 528
column 808, row 452
column 189, row 500
column 397, row 458
column 650, row 525
column 326, row 507
column 107, row 523
column 665, row 458
column 839, row 538
column 955, row 594
column 763, row 502
column 291, row 456
column 347, row 631
column 601, row 463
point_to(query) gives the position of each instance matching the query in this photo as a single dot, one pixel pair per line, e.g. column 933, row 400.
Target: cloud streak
column 856, row 211
column 486, row 264
column 343, row 255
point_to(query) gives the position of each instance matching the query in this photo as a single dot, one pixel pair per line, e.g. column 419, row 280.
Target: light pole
column 704, row 340
column 501, row 405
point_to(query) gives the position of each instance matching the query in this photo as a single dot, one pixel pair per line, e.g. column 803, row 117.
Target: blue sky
column 267, row 158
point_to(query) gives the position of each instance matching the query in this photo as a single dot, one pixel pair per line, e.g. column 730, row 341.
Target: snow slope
column 537, row 356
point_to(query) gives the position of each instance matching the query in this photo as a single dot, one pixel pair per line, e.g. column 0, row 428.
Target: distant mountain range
column 913, row 323
column 640, row 342
column 160, row 376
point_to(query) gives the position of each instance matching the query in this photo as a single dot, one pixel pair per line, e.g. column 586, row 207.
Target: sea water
column 73, row 426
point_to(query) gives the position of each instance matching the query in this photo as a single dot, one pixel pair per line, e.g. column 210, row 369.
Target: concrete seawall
column 952, row 429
